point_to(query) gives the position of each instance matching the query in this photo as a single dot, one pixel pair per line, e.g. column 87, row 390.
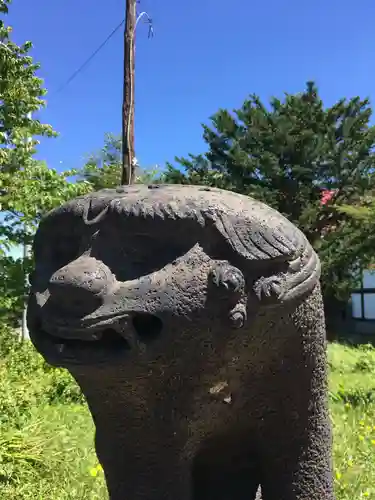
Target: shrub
column 27, row 381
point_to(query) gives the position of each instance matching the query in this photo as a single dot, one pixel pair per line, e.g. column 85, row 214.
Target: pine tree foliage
column 286, row 154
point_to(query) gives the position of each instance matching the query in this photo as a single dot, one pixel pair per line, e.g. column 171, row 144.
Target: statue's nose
column 79, row 286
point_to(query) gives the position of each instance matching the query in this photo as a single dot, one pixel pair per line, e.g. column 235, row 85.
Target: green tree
column 286, row 154
column 103, row 168
column 28, row 188
column 29, row 193
column 21, row 94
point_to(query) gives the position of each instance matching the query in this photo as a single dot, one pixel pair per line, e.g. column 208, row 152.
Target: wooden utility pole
column 128, row 154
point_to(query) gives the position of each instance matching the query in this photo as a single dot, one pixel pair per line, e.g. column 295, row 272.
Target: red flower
column 327, row 195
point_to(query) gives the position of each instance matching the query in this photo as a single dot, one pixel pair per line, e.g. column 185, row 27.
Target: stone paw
column 229, row 277
column 272, row 286
column 238, row 316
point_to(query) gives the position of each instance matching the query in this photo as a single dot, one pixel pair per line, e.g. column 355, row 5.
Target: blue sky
column 204, row 55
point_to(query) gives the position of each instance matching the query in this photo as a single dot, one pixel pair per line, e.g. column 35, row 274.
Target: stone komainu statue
column 192, row 319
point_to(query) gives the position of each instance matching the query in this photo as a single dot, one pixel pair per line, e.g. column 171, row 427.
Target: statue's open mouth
column 64, row 346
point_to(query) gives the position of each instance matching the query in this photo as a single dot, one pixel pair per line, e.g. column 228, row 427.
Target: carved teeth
column 121, row 329
column 97, row 336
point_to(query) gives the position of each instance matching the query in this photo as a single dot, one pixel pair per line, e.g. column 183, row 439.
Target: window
column 368, row 279
column 357, row 305
column 363, row 299
column 369, row 306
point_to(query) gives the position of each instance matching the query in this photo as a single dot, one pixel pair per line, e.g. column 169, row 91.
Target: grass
column 46, row 432
column 352, row 401
column 51, row 458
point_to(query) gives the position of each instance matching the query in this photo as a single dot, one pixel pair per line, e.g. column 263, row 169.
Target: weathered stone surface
column 192, row 319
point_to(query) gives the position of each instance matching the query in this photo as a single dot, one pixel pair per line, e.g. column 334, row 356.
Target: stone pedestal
column 192, row 319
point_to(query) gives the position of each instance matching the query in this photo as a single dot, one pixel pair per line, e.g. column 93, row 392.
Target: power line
column 89, row 59
column 148, row 21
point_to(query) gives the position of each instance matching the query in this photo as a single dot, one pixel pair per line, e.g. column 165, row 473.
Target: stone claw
column 231, row 278
column 272, row 286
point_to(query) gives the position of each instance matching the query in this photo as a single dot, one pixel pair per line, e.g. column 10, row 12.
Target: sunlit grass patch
column 47, row 435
